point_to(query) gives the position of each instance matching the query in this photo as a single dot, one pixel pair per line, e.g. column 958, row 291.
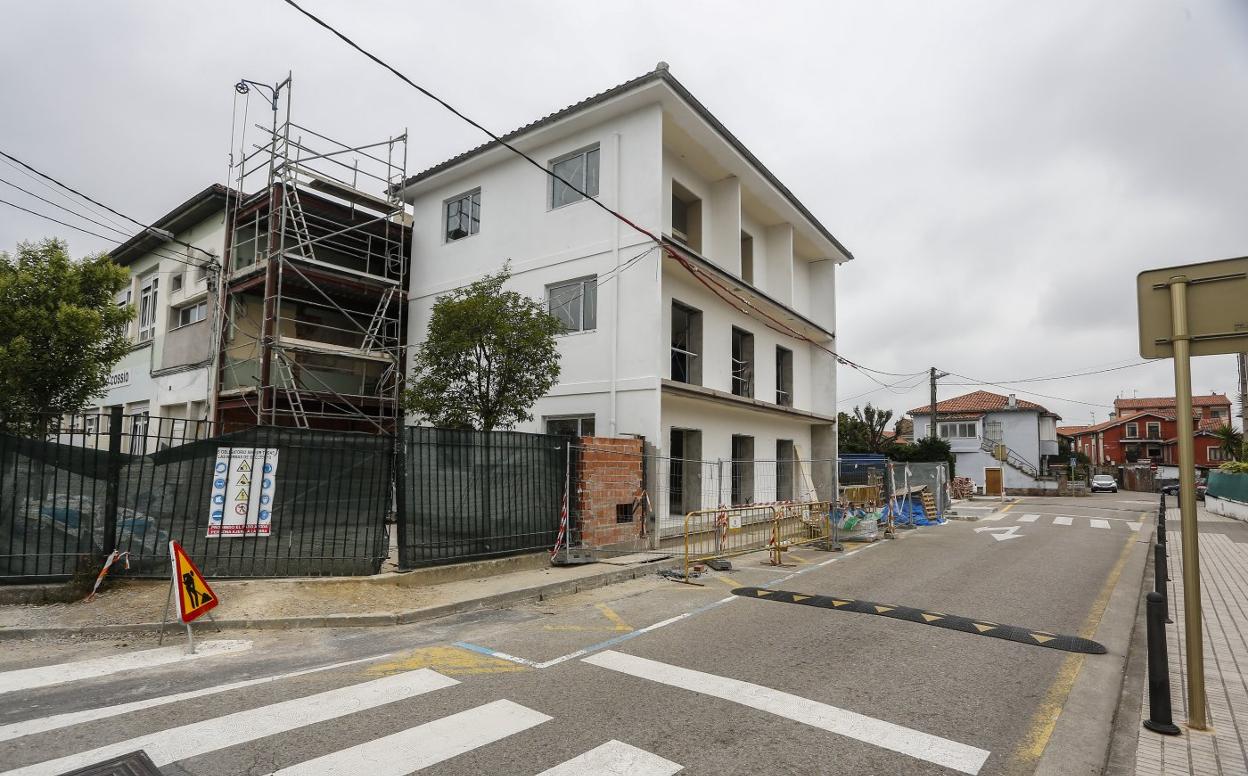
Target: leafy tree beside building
column 488, row 356
column 61, row 330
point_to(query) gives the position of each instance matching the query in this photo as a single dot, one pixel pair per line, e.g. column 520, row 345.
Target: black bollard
column 1161, row 574
column 1159, row 716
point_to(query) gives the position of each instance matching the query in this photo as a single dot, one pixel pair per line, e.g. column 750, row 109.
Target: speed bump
column 974, row 626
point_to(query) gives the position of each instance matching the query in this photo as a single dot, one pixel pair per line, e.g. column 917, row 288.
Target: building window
column 138, row 432
column 686, row 217
column 686, row 344
column 1133, row 431
column 175, row 282
column 961, row 430
column 784, row 377
column 571, row 426
column 463, row 215
column 684, row 471
column 994, row 431
column 580, row 169
column 784, row 469
column 742, row 470
column 747, row 258
column 575, row 303
column 742, row 362
column 193, row 313
column 123, row 301
column 148, row 293
column 1153, row 430
column 1154, row 452
column 1214, row 412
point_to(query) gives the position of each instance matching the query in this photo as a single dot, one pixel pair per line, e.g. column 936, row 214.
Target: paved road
column 643, row 678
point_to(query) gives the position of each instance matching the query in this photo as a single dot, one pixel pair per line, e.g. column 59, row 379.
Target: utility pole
column 934, row 376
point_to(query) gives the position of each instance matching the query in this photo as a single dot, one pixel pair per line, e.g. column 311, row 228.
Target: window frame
column 554, row 178
column 586, row 283
column 149, row 301
column 474, row 199
column 742, row 370
column 692, row 369
column 580, row 424
column 784, row 376
column 192, row 306
column 177, row 282
column 1133, row 430
column 1148, row 429
column 960, row 426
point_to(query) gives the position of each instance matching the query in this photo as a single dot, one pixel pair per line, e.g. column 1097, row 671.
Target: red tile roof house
column 1149, row 438
column 975, row 422
column 1215, row 406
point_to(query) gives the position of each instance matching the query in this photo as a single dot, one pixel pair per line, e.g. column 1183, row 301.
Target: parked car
column 1201, row 486
column 1104, row 482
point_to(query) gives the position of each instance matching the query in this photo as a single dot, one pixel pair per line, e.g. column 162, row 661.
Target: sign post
column 190, row 590
column 1193, row 310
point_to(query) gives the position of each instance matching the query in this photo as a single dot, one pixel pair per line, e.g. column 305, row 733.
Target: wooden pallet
column 929, row 504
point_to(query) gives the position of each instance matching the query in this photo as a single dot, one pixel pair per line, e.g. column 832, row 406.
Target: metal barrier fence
column 75, row 488
column 477, row 494
column 725, row 532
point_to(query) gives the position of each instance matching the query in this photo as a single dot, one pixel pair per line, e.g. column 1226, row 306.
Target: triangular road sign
column 192, row 592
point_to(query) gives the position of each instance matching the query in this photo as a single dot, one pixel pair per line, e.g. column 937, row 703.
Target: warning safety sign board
column 193, row 594
column 244, row 489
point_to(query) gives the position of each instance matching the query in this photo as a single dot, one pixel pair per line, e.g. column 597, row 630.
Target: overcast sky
column 1000, row 170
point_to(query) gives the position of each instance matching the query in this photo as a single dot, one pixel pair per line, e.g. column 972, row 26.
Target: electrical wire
column 1031, row 393
column 775, row 324
column 98, row 212
column 146, row 227
column 62, row 207
column 1054, row 377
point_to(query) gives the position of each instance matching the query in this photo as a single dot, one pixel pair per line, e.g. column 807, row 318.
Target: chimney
column 1012, row 403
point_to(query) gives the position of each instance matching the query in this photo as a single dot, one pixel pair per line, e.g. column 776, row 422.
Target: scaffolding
column 315, row 285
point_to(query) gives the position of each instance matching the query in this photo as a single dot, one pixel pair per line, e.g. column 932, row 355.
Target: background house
column 976, row 423
column 716, row 347
column 1214, row 406
column 1150, row 438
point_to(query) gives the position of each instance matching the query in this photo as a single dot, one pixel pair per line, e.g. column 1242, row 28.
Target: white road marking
column 997, row 516
column 44, row 724
column 61, row 673
column 915, row 743
column 1099, row 523
column 1010, row 532
column 615, row 758
column 1133, row 526
column 425, row 745
column 210, row 735
column 1028, row 518
column 1062, row 520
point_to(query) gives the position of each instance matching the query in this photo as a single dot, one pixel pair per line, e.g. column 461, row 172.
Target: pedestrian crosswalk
column 407, row 751
column 1075, row 521
column 476, row 731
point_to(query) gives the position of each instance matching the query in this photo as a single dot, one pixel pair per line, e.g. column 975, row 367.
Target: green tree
column 488, row 356
column 61, row 331
column 925, row 449
column 1230, row 441
column 875, row 423
column 851, row 434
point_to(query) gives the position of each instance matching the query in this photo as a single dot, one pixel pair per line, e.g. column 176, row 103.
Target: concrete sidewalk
column 1224, row 577
column 387, row 599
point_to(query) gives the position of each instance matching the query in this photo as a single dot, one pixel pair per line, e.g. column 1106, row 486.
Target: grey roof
column 182, row 217
column 660, row 73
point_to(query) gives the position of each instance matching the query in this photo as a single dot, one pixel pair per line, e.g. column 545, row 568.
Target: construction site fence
column 76, row 488
column 469, row 495
column 725, row 532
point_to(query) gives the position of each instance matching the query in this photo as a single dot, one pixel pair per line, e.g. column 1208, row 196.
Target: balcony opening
column 747, row 258
column 784, row 377
column 686, row 217
column 742, row 469
column 684, row 471
column 686, row 344
column 742, row 362
column 785, row 466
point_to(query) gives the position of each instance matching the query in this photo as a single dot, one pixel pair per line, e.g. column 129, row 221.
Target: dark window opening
column 686, row 217
column 742, row 470
column 686, row 344
column 785, row 467
column 784, row 377
column 742, row 362
column 747, row 258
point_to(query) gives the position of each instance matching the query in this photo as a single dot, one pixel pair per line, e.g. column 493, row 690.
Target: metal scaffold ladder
column 373, row 336
column 286, row 374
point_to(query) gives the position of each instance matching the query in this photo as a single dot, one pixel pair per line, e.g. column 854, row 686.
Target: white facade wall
column 140, row 384
column 615, row 371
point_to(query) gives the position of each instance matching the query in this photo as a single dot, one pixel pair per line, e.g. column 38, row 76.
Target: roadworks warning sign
column 193, row 594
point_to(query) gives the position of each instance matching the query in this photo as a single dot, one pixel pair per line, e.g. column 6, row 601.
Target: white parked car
column 1104, row 482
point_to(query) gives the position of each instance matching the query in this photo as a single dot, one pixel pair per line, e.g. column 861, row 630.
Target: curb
column 375, row 620
column 1083, row 735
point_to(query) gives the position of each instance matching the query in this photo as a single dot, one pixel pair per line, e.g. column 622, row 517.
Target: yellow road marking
column 764, row 592
column 451, row 661
column 1040, row 637
column 798, row 558
column 729, row 581
column 1008, row 507
column 617, row 623
column 882, row 609
column 797, row 597
column 931, row 617
column 982, row 628
column 839, row 603
column 1044, row 720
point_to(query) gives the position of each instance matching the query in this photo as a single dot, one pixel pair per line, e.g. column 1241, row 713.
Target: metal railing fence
column 477, row 494
column 75, row 488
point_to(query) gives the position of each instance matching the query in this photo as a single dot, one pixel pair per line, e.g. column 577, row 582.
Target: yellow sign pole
column 1195, row 654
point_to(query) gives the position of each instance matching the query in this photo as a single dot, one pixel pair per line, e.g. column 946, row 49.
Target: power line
column 62, row 207
column 146, row 227
column 1054, row 377
column 113, row 240
column 778, row 325
column 94, row 211
column 1030, row 393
